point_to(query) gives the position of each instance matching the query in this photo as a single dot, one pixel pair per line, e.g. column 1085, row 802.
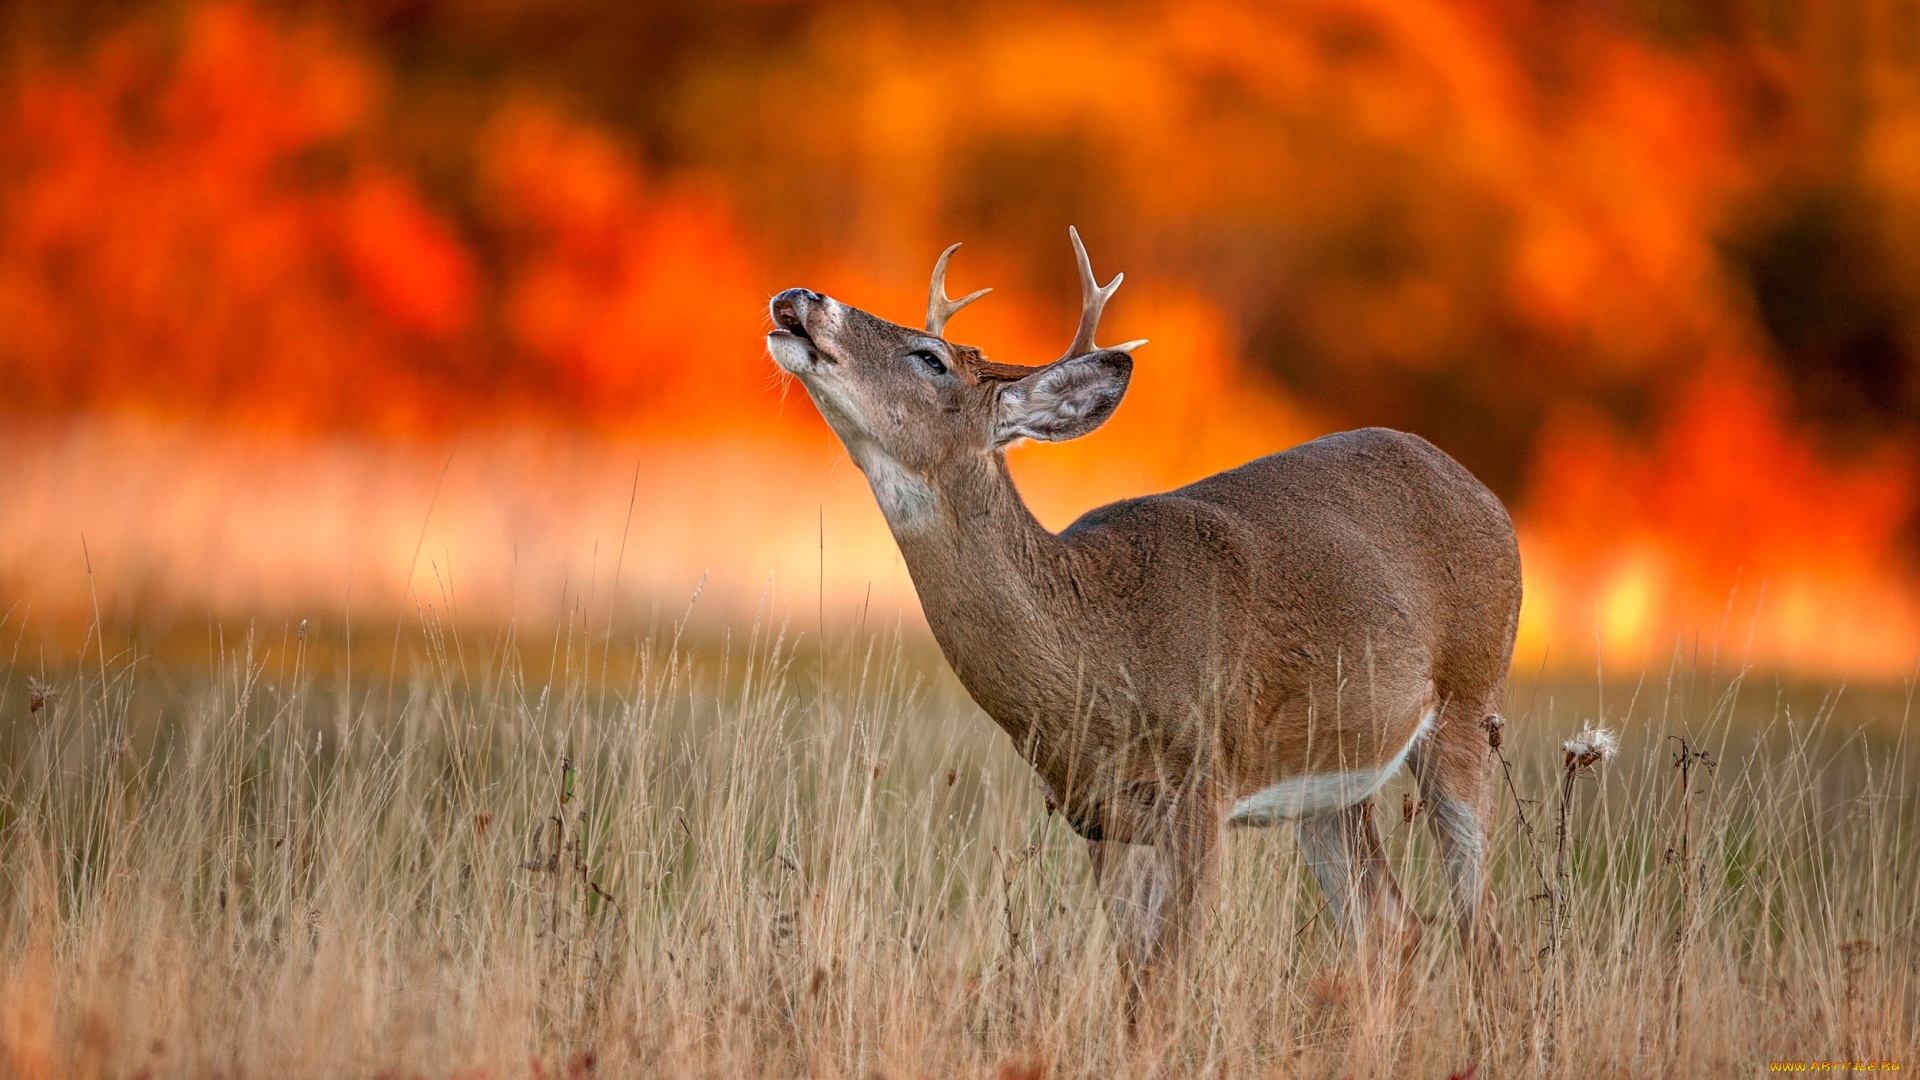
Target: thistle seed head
column 1589, row 748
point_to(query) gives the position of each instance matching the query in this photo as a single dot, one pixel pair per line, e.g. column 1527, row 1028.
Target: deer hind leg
column 1344, row 851
column 1456, row 771
column 1157, row 898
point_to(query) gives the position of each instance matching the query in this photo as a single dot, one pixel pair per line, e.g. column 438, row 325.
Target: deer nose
column 790, row 309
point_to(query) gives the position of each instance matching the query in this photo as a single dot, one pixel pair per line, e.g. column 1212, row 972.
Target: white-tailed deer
column 1266, row 645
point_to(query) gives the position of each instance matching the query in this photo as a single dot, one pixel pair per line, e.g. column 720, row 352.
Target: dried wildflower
column 1589, row 748
column 1493, row 723
column 1858, row 947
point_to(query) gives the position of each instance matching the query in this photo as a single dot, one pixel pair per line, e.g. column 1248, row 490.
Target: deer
column 1266, row 646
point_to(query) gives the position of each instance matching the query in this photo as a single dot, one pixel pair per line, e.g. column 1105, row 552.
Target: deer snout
column 790, row 311
column 789, row 308
column 791, row 341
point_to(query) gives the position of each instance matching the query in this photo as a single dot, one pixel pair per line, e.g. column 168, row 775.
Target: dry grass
column 649, row 860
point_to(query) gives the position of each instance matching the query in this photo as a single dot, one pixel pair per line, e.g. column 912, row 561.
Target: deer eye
column 934, row 363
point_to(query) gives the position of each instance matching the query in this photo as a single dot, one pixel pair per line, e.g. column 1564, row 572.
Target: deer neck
column 993, row 583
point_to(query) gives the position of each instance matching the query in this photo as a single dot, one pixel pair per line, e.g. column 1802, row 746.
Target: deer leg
column 1344, row 851
column 1157, row 898
column 1457, row 771
column 1127, row 876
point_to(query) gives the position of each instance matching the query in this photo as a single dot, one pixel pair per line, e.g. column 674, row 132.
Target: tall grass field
column 662, row 853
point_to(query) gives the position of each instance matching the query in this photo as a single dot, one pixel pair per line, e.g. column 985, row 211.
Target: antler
column 939, row 308
column 1093, row 301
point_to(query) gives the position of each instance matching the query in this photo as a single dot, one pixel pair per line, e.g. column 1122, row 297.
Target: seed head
column 1589, row 748
column 1493, row 723
column 37, row 695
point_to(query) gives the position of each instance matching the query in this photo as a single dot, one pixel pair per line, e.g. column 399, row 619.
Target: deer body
column 1266, row 645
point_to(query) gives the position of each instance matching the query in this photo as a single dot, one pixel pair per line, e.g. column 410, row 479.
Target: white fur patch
column 792, row 354
column 1307, row 796
column 904, row 498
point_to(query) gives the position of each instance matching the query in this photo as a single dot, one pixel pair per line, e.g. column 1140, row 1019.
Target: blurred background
column 357, row 308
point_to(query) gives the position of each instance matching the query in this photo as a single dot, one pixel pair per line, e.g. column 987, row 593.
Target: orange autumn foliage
column 214, row 229
column 1488, row 223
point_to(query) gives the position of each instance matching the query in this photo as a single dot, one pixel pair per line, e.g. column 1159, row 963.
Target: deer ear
column 1063, row 400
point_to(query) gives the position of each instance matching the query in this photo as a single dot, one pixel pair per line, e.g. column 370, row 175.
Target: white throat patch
column 904, row 498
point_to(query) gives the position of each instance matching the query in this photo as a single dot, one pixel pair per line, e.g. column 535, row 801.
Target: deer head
column 905, row 401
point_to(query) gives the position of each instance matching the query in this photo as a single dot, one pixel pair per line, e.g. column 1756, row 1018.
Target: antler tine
column 939, row 308
column 1093, row 301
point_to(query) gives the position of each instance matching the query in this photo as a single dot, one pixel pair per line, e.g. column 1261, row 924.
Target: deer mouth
column 788, row 319
column 790, row 326
column 791, row 342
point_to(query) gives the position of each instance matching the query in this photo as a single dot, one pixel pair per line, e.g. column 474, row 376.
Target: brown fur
column 1168, row 655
